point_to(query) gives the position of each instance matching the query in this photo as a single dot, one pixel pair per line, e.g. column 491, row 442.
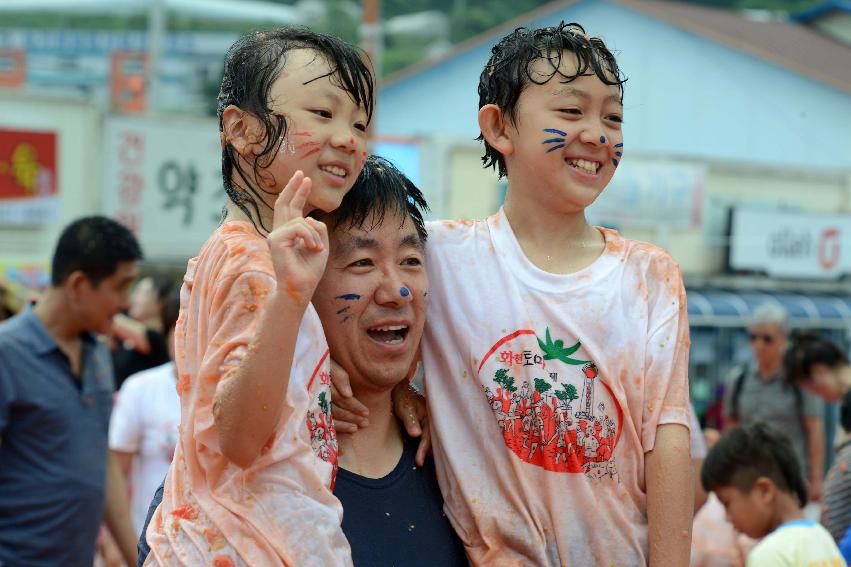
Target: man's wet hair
column 807, row 348
column 252, row 65
column 746, row 453
column 380, row 189
column 95, row 246
column 509, row 70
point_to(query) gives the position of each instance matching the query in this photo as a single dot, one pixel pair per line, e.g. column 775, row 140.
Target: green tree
column 568, row 392
column 542, row 385
column 502, row 378
column 324, row 403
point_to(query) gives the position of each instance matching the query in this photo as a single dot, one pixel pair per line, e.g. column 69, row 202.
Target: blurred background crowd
column 737, row 129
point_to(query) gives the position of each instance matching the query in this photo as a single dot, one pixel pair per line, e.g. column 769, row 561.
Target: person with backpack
column 760, row 392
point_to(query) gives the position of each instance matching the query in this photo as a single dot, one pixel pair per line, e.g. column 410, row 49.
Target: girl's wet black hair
column 807, row 348
column 380, row 189
column 252, row 65
column 509, row 69
column 746, row 453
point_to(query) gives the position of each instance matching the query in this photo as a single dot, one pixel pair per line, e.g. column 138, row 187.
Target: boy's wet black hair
column 808, row 348
column 95, row 246
column 252, row 65
column 380, row 189
column 509, row 69
column 745, row 453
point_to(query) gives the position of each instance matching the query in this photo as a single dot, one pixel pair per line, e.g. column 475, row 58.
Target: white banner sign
column 650, row 193
column 163, row 179
column 789, row 244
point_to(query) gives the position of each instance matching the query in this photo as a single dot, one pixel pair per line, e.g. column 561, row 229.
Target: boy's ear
column 764, row 488
column 239, row 129
column 494, row 126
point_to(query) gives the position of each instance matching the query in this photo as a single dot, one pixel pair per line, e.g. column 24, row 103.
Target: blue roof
column 821, row 10
column 728, row 308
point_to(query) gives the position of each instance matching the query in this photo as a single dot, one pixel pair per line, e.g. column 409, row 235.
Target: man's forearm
column 815, row 445
column 117, row 512
column 670, row 497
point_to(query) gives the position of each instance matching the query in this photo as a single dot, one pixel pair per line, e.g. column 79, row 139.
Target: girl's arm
column 249, row 404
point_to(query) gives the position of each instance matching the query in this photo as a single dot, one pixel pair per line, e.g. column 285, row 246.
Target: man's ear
column 239, row 129
column 74, row 285
column 494, row 126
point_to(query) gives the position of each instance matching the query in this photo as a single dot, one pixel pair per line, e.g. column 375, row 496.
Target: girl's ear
column 765, row 489
column 239, row 129
column 494, row 127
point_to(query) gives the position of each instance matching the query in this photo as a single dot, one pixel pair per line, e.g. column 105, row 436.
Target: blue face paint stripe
column 616, row 162
column 619, row 154
column 343, row 310
column 618, row 145
column 554, row 131
column 554, row 148
column 348, row 296
column 552, row 140
column 346, row 318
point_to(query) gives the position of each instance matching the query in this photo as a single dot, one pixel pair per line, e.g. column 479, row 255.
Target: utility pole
column 371, row 42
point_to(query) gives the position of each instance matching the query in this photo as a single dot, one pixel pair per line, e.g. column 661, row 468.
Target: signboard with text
column 162, row 178
column 791, row 244
column 28, row 178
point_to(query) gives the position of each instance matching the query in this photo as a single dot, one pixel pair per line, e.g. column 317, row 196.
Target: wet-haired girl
column 251, row 479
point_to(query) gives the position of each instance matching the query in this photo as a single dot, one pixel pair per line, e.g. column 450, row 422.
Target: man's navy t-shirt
column 398, row 520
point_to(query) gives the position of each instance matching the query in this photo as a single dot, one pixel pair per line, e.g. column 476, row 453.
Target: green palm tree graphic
column 556, row 351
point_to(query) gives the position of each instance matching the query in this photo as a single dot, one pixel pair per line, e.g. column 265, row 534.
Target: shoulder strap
column 799, row 404
column 738, row 383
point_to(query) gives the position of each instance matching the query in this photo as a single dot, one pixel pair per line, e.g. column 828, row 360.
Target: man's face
column 97, row 305
column 372, row 301
column 768, row 343
column 566, row 137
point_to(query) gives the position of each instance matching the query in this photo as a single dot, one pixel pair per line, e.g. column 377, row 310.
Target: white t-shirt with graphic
column 796, row 544
column 144, row 421
column 545, row 393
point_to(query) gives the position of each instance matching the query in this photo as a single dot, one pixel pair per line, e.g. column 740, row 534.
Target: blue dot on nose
column 404, row 292
column 602, row 139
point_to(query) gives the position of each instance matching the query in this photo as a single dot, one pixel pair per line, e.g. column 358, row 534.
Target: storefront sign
column 28, row 181
column 789, row 244
column 163, row 180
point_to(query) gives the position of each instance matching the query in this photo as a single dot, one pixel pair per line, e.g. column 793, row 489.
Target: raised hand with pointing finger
column 298, row 244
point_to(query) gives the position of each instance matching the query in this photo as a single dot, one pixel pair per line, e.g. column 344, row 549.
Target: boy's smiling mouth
column 585, row 166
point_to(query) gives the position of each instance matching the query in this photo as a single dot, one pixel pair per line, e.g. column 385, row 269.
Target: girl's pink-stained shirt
column 545, row 393
column 280, row 510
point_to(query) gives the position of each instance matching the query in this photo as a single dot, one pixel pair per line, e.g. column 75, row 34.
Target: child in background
column 251, row 479
column 758, row 479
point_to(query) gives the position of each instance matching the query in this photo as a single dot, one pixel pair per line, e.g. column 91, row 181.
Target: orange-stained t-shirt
column 545, row 392
column 280, row 510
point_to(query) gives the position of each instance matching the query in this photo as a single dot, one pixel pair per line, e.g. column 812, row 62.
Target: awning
column 729, row 308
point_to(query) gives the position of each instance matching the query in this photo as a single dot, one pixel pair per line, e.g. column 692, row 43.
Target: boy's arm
column 670, row 497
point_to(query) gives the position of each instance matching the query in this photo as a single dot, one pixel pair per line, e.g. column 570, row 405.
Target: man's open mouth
column 389, row 334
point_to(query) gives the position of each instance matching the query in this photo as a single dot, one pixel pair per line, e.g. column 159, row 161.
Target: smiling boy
column 556, row 352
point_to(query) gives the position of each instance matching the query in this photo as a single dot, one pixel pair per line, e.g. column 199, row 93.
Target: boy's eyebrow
column 578, row 93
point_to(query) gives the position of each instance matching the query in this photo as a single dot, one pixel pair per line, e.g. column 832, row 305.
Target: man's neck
column 555, row 242
column 373, row 451
column 769, row 371
column 51, row 310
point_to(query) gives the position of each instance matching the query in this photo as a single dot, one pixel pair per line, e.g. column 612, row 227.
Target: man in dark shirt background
column 372, row 301
column 56, row 477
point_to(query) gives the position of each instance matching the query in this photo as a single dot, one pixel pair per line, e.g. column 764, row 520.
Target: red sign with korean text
column 27, row 164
